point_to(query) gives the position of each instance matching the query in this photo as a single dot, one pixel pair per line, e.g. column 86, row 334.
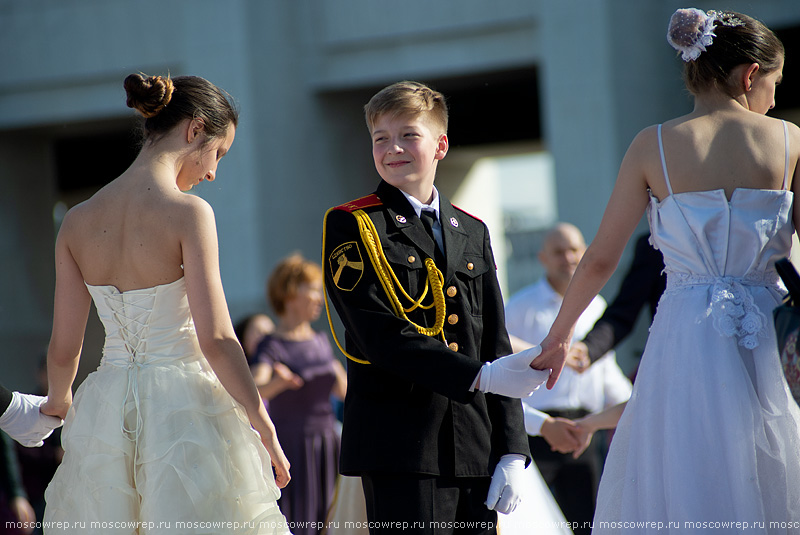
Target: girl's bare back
column 128, row 234
column 726, row 151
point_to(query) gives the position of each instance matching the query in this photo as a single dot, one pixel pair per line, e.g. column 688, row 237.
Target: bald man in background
column 549, row 413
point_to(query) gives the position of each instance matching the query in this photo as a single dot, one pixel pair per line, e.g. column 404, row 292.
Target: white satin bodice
column 147, row 326
column 728, row 246
column 703, row 233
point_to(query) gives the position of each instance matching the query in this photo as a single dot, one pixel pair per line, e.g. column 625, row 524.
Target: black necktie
column 428, row 218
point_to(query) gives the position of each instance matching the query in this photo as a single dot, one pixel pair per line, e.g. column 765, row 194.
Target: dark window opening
column 495, row 107
column 787, row 95
column 485, row 108
column 110, row 154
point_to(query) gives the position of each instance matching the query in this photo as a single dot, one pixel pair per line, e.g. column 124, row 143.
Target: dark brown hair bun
column 148, row 94
column 164, row 102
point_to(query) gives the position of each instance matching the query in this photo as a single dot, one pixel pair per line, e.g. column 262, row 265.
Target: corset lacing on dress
column 131, row 311
column 731, row 303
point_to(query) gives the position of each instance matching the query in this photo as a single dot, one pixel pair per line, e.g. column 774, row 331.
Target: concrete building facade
column 574, row 79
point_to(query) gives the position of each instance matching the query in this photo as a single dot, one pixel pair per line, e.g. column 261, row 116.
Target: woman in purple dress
column 297, row 373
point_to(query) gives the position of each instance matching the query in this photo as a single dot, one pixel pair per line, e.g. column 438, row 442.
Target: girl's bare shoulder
column 644, row 145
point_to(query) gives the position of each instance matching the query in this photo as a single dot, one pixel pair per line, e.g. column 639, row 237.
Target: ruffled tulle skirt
column 710, row 439
column 161, row 449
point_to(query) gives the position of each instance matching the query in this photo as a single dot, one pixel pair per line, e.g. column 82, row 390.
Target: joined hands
column 512, row 375
column 25, row 422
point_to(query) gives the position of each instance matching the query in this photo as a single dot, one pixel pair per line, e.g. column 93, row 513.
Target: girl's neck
column 717, row 101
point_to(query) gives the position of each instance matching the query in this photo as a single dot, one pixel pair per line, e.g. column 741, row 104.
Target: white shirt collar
column 548, row 292
column 419, row 206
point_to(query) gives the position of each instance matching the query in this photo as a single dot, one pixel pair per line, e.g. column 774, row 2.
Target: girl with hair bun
column 710, row 439
column 170, row 431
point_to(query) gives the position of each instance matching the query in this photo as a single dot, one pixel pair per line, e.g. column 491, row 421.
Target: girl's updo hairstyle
column 727, row 40
column 164, row 102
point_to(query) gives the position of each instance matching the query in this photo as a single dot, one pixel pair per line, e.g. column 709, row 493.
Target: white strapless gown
column 153, row 442
column 711, row 434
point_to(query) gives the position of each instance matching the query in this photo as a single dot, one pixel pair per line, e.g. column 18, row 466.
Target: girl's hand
column 554, row 353
column 283, row 375
column 269, row 438
column 584, row 435
column 57, row 408
column 279, row 461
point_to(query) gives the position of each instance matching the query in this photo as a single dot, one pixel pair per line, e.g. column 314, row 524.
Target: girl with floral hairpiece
column 710, row 438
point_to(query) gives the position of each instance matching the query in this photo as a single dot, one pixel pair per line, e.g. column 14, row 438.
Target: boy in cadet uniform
column 430, row 420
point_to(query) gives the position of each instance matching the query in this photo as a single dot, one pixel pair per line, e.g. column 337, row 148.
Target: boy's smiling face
column 406, row 150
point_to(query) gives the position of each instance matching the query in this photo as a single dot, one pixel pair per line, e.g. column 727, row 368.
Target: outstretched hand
column 512, row 375
column 26, row 421
column 553, row 355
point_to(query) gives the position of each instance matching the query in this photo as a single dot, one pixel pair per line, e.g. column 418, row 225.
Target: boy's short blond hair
column 407, row 98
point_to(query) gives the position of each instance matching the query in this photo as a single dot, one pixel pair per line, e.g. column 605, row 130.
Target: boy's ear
column 195, row 127
column 441, row 147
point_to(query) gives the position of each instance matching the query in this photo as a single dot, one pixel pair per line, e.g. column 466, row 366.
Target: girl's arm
column 588, row 425
column 605, row 419
column 794, row 177
column 273, row 380
column 214, row 328
column 624, row 211
column 70, row 313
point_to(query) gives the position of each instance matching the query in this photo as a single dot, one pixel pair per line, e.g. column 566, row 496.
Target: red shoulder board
column 359, row 204
column 472, row 216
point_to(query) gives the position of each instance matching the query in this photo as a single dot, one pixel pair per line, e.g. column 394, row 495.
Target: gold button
column 452, row 319
column 452, row 291
column 453, row 346
column 470, row 266
column 412, row 259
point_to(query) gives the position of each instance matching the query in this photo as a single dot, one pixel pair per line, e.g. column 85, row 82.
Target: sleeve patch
column 346, row 266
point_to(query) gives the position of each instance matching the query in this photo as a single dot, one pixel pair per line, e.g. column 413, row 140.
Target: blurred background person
column 15, row 509
column 37, row 465
column 297, row 373
column 529, row 315
column 250, row 330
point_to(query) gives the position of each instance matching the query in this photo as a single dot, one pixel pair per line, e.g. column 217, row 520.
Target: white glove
column 512, row 375
column 505, row 490
column 25, row 423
